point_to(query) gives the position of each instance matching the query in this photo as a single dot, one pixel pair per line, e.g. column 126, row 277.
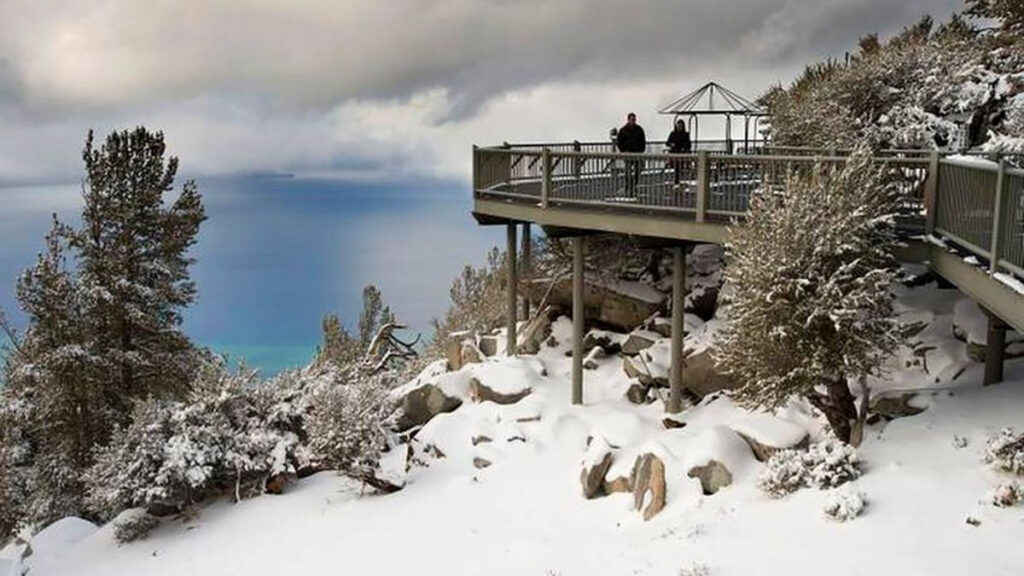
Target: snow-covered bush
column 844, row 505
column 826, row 464
column 695, row 570
column 1006, row 495
column 230, row 434
column 346, row 425
column 811, row 303
column 134, row 527
column 1005, row 450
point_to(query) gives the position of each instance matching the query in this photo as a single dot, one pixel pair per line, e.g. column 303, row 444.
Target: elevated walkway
column 963, row 217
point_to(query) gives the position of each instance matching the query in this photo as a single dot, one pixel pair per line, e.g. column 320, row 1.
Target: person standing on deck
column 631, row 138
column 678, row 142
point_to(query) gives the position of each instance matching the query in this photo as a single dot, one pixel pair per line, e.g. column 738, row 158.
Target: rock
column 535, row 333
column 701, row 376
column 162, row 509
column 590, row 360
column 766, row 435
column 637, row 393
column 595, row 465
column 671, row 423
column 481, row 463
column 648, row 477
column 663, row 327
column 276, row 483
column 635, row 344
column 423, row 403
column 892, row 407
column 480, row 439
column 621, row 305
column 602, row 340
column 713, row 476
column 471, row 354
column 551, row 342
column 620, row 484
column 453, row 352
column 703, row 302
column 479, row 392
column 488, row 345
column 635, row 368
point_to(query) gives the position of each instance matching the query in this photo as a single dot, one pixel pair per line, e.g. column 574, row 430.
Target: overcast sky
column 385, row 88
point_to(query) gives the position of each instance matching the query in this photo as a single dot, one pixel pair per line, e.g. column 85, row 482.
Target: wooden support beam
column 675, row 398
column 526, row 267
column 577, row 320
column 513, row 282
column 995, row 346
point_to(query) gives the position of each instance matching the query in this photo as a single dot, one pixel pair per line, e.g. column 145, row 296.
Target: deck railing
column 955, row 200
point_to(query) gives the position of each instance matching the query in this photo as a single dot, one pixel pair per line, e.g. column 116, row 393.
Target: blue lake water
column 276, row 254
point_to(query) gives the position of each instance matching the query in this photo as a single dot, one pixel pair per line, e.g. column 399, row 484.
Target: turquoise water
column 276, row 254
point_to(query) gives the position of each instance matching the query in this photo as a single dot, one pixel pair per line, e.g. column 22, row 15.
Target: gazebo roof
column 720, row 100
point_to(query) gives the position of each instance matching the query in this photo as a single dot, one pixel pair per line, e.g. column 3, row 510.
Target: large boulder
column 701, row 376
column 648, row 477
column 471, row 354
column 421, row 404
column 453, row 353
column 621, row 305
column 595, row 465
column 479, row 392
column 488, row 345
column 647, row 373
column 713, row 476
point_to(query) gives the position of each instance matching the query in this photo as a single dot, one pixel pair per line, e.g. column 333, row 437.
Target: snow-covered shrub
column 696, row 570
column 477, row 300
column 230, row 435
column 811, row 303
column 1006, row 495
column 844, row 505
column 783, row 474
column 826, row 464
column 1005, row 450
column 346, row 425
column 831, row 463
column 134, row 527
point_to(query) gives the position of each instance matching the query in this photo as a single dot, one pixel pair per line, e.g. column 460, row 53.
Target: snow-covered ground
column 524, row 513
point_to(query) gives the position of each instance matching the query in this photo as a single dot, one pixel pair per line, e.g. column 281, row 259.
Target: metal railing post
column 702, row 184
column 997, row 219
column 577, row 163
column 545, row 167
column 931, row 192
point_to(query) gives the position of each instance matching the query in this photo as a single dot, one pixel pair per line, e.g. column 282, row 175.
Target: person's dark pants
column 678, row 165
column 633, row 169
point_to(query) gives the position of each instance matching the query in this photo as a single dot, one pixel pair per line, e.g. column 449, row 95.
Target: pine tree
column 374, row 315
column 811, row 308
column 134, row 266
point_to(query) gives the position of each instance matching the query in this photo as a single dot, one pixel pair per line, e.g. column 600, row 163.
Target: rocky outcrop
column 620, row 305
column 421, row 404
column 479, row 392
column 713, row 476
column 648, row 481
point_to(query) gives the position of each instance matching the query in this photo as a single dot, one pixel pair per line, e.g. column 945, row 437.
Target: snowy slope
column 525, row 513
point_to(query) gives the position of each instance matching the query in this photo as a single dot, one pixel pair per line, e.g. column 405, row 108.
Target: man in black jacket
column 678, row 143
column 631, row 138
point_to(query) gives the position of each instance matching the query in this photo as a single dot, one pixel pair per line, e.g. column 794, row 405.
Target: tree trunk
column 838, row 406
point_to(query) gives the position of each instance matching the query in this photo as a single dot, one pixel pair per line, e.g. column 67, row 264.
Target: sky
column 387, row 88
column 370, row 109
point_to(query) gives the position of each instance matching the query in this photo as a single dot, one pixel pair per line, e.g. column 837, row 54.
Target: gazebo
column 713, row 99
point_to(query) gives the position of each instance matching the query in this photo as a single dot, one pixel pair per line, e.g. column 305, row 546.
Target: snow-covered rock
column 767, row 434
column 596, row 463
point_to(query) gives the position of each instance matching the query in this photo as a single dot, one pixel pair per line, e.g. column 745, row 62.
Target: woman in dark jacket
column 678, row 143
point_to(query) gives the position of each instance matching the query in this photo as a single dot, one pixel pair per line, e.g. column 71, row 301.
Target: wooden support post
column 510, row 309
column 702, row 184
column 998, row 216
column 931, row 192
column 476, row 171
column 675, row 398
column 577, row 319
column 526, row 267
column 995, row 345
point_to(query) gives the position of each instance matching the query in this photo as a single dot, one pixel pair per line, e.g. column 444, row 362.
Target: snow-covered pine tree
column 810, row 272
column 134, row 263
